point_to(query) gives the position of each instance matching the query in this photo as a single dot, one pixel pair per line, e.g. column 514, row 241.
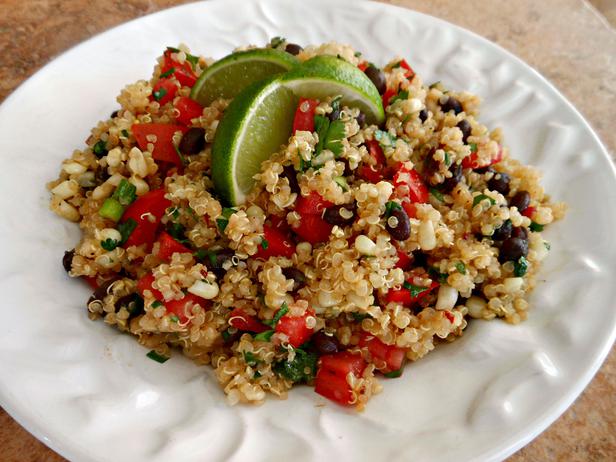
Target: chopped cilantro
column 264, row 336
column 447, row 159
column 125, row 193
column 461, row 267
column 223, row 222
column 125, row 133
column 321, row 126
column 390, row 206
column 264, row 243
column 342, row 182
column 159, row 93
column 251, row 359
column 156, row 357
column 334, row 137
column 473, row 147
column 284, row 309
column 301, row 369
column 482, row 197
column 384, row 138
column 174, row 318
column 167, row 73
column 156, row 303
column 173, row 49
column 109, row 244
column 437, row 194
column 536, row 227
column 359, row 317
column 336, row 103
column 402, row 95
column 277, row 41
column 192, row 59
column 225, row 335
column 100, row 149
column 126, row 229
column 177, row 232
column 520, row 267
column 393, row 374
column 415, row 290
column 436, row 274
column 357, row 54
column 304, row 165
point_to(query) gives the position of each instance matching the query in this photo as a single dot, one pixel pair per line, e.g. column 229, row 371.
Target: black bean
column 293, row 48
column 402, row 229
column 484, row 170
column 499, row 183
column 101, row 175
column 361, row 119
column 456, row 177
column 520, row 232
column 101, row 292
column 512, row 249
column 465, row 126
column 334, row 215
column 452, row 104
column 214, row 261
column 347, row 167
column 193, row 141
column 290, row 174
column 502, row 233
column 230, row 338
column 423, row 115
column 67, row 259
column 114, row 114
column 420, row 258
column 325, row 344
column 377, row 77
column 521, row 200
column 298, row 278
column 132, row 302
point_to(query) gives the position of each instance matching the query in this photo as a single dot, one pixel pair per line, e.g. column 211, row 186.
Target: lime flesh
column 231, row 74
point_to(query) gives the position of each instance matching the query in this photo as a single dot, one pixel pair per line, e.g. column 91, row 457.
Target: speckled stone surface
column 568, row 41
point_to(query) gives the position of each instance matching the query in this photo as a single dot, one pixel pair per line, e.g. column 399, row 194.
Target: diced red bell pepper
column 386, row 358
column 418, row 191
column 404, row 260
column 183, row 72
column 374, row 172
column 188, row 109
column 245, row 322
column 342, row 363
column 472, row 162
column 410, row 73
column 304, row 115
column 181, row 307
column 145, row 283
column 313, row 229
column 333, row 387
column 164, row 149
column 389, row 94
column 91, row 280
column 164, row 91
column 370, row 173
column 403, row 295
column 278, row 244
column 528, row 212
column 147, row 212
column 449, row 315
column 312, row 204
column 295, row 328
column 279, row 223
column 167, row 246
column 376, row 152
column 363, row 66
column 410, row 209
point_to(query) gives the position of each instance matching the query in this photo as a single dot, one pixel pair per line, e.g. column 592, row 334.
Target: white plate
column 91, row 394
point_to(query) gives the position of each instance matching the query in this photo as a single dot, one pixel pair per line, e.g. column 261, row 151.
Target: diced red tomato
column 145, row 283
column 342, row 363
column 410, row 209
column 418, row 191
column 449, row 315
column 387, row 358
column 245, row 322
column 183, row 72
column 164, row 91
column 330, row 380
column 528, row 212
column 304, row 115
column 313, row 229
column 374, row 172
column 168, row 246
column 147, row 212
column 363, row 66
column 312, row 204
column 410, row 73
column 376, row 152
column 370, row 173
column 91, row 280
column 333, row 387
column 280, row 223
column 389, row 94
column 188, row 109
column 181, row 308
column 295, row 328
column 404, row 260
column 278, row 244
column 472, row 162
column 164, row 149
column 403, row 295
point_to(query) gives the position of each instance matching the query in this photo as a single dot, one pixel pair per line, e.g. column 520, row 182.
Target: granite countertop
column 568, row 41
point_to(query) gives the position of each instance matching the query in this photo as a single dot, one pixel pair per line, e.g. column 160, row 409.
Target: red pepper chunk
column 180, row 308
column 363, row 66
column 389, row 94
column 376, row 152
column 528, row 212
column 188, row 109
column 164, row 149
column 164, row 91
column 294, row 327
column 167, row 246
column 245, row 322
column 304, row 115
column 275, row 244
column 183, row 72
column 404, row 297
column 145, row 283
column 91, row 280
column 146, row 211
column 312, row 204
column 410, row 73
column 330, row 380
column 410, row 209
column 404, row 260
column 472, row 161
column 417, row 189
column 386, row 358
column 312, row 227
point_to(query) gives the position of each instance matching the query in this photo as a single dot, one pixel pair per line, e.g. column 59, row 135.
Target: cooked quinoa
column 360, row 259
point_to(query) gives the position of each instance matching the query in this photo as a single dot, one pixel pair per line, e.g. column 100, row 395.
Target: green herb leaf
column 473, row 147
column 125, row 133
column 192, row 59
column 225, row 335
column 264, row 336
column 520, row 267
column 335, row 104
column 100, row 149
column 159, row 93
column 156, row 357
column 437, row 194
column 302, row 369
column 415, row 290
column 177, row 232
column 435, row 84
column 256, row 375
column 156, row 303
column 393, row 374
column 384, row 138
column 126, row 229
column 264, row 243
column 359, row 317
column 536, row 227
column 402, row 95
column 461, row 267
column 447, row 159
column 321, row 126
column 547, row 245
column 251, row 358
column 284, row 309
column 223, row 222
column 482, row 197
column 437, row 275
column 174, row 318
column 342, row 182
column 304, row 165
column 167, row 73
column 125, row 193
column 277, row 41
column 335, row 134
column 109, row 244
column 390, row 206
column 357, row 54
column 173, row 49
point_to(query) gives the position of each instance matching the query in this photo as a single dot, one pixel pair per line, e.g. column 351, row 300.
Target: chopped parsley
column 473, row 147
column 224, row 221
column 284, row 309
column 390, row 206
column 437, row 194
column 174, row 318
column 359, row 317
column 156, row 357
column 321, row 127
column 159, row 93
column 264, row 336
column 461, row 267
column 264, row 243
column 415, row 290
column 520, row 267
column 109, row 244
column 192, row 59
column 302, row 369
column 177, row 232
column 167, row 73
column 393, row 374
column 100, row 149
column 436, row 274
column 335, row 135
column 482, row 197
column 251, row 358
column 402, row 95
column 125, row 133
column 156, row 303
column 447, row 159
column 225, row 335
column 125, row 193
column 126, row 229
column 536, row 227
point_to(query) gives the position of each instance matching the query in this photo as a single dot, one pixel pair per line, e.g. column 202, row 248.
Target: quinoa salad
column 361, row 246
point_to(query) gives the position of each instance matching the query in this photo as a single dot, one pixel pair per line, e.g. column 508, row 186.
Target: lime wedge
column 231, row 74
column 325, row 75
column 256, row 123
